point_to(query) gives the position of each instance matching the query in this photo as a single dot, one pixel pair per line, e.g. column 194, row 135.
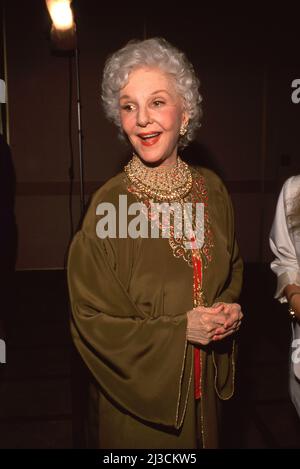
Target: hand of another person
column 295, row 304
column 207, row 324
column 292, row 294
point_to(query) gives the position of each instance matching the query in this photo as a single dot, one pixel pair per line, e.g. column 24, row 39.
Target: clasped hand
column 205, row 325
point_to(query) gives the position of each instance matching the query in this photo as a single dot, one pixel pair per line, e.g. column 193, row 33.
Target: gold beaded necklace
column 168, row 183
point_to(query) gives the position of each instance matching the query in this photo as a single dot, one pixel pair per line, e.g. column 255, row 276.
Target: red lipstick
column 149, row 138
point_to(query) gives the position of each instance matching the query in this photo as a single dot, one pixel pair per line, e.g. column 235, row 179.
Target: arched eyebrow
column 125, row 96
column 160, row 91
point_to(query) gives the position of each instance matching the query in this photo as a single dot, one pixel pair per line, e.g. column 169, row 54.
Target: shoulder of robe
column 108, row 193
column 110, row 189
column 213, row 182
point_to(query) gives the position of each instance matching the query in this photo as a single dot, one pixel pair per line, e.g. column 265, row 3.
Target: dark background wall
column 246, row 59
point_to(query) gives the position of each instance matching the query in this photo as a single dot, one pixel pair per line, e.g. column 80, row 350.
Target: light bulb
column 61, row 14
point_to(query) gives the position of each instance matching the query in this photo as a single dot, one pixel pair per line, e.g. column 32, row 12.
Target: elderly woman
column 285, row 244
column 154, row 312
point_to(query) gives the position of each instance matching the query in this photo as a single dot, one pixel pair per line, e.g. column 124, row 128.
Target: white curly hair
column 158, row 53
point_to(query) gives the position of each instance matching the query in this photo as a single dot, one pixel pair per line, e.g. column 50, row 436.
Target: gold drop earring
column 183, row 130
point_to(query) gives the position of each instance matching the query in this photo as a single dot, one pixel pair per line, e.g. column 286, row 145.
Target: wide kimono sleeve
column 285, row 265
column 142, row 364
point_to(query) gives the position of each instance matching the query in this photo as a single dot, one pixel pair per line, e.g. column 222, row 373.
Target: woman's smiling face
column 152, row 112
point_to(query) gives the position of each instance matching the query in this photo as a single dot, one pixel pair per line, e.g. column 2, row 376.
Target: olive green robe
column 129, row 299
